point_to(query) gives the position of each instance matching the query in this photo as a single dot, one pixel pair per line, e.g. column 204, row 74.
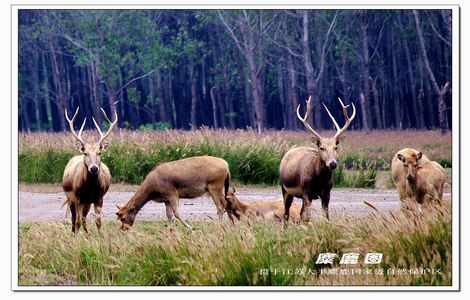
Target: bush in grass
column 252, row 158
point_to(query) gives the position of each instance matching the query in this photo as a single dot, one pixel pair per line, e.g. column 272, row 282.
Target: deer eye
column 85, row 153
column 415, row 165
column 336, row 147
column 99, row 153
column 322, row 148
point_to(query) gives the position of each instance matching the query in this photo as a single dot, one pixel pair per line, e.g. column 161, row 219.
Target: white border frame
column 456, row 124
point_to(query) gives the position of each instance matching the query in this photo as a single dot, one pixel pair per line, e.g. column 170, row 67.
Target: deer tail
column 67, row 202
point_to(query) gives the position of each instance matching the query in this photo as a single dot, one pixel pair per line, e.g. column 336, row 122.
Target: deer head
column 328, row 147
column 91, row 151
column 411, row 165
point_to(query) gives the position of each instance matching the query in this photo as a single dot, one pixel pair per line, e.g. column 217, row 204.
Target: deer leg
column 74, row 215
column 174, row 206
column 304, row 212
column 287, row 198
column 85, row 210
column 325, row 201
column 78, row 219
column 169, row 214
column 98, row 213
column 219, row 201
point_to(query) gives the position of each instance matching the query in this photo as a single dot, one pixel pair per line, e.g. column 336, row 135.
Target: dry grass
column 221, row 254
column 381, row 143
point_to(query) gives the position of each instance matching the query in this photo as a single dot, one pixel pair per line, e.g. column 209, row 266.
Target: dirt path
column 34, row 206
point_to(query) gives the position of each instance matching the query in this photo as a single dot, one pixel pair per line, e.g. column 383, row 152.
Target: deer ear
column 339, row 139
column 103, row 146
column 316, row 141
column 401, row 157
column 80, row 146
column 419, row 156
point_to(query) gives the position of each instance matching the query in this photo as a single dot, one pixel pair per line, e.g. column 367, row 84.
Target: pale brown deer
column 86, row 179
column 185, row 178
column 417, row 178
column 307, row 172
column 272, row 209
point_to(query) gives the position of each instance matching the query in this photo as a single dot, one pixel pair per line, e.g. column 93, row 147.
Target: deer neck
column 241, row 206
column 411, row 186
column 137, row 201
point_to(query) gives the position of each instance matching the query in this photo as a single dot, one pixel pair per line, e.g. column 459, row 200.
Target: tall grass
column 225, row 255
column 253, row 158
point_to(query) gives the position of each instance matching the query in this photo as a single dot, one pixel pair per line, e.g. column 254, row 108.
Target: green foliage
column 253, row 159
column 362, row 178
column 44, row 165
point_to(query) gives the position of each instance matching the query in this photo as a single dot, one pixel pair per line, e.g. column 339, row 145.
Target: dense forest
column 235, row 68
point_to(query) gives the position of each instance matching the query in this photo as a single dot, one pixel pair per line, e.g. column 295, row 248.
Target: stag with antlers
column 307, row 172
column 86, row 179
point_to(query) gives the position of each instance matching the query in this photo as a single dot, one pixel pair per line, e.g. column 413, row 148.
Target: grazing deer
column 307, row 172
column 185, row 178
column 265, row 209
column 417, row 177
column 86, row 179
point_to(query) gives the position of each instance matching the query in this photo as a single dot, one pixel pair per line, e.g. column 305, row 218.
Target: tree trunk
column 420, row 111
column 378, row 115
column 257, row 105
column 61, row 98
column 95, row 100
column 160, row 101
column 228, row 101
column 419, row 118
column 441, row 92
column 365, row 120
column 192, row 76
column 37, row 91
column 153, row 102
column 258, row 115
column 395, row 88
column 365, row 102
column 293, row 100
column 214, row 108
column 309, row 73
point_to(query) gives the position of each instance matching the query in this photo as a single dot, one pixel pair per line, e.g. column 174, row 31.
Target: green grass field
column 248, row 254
column 253, row 158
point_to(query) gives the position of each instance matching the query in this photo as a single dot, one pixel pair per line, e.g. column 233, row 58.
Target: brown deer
column 264, row 209
column 86, row 179
column 307, row 172
column 417, row 177
column 185, row 178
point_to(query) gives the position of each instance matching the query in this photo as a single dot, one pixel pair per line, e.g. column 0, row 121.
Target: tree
column 440, row 91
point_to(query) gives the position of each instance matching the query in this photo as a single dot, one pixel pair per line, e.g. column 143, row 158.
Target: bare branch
column 324, row 47
column 379, row 39
column 232, row 33
column 439, row 35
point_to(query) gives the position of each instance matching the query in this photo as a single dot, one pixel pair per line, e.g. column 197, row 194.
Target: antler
column 111, row 125
column 339, row 130
column 79, row 136
column 304, row 119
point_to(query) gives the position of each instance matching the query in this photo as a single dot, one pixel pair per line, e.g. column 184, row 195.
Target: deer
column 264, row 209
column 307, row 172
column 86, row 179
column 417, row 178
column 185, row 178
